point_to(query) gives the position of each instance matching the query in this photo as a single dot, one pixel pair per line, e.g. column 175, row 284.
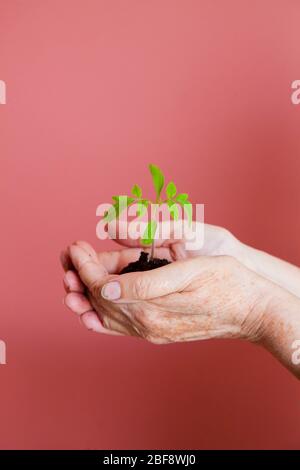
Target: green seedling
column 172, row 199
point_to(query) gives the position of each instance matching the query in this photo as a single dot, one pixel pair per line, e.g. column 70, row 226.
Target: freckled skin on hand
column 226, row 290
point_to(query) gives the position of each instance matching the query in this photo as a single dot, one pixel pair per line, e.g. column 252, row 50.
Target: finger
column 87, row 247
column 93, row 275
column 92, row 322
column 152, row 284
column 112, row 318
column 177, row 251
column 112, row 324
column 114, row 261
column 66, row 260
column 65, row 257
column 72, row 282
column 90, row 271
column 78, row 303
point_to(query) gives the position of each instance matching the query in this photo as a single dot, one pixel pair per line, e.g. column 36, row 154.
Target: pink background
column 95, row 91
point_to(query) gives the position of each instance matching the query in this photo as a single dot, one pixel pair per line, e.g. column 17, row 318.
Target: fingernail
column 111, row 291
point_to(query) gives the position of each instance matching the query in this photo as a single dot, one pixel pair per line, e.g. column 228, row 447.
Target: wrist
column 280, row 272
column 281, row 332
column 283, row 311
column 256, row 325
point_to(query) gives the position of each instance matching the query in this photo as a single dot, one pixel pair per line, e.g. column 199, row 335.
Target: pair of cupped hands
column 209, row 293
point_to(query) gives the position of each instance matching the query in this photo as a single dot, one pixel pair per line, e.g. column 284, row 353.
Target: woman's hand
column 219, row 241
column 225, row 289
column 200, row 298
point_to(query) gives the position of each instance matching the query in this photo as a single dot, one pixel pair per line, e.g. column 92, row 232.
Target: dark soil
column 143, row 264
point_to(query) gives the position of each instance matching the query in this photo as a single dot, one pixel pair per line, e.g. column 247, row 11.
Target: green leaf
column 126, row 200
column 137, row 191
column 112, row 213
column 142, row 207
column 182, row 198
column 149, row 233
column 121, row 203
column 188, row 209
column 171, row 190
column 173, row 209
column 158, row 179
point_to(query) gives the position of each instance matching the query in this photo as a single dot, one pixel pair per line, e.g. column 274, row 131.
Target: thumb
column 151, row 284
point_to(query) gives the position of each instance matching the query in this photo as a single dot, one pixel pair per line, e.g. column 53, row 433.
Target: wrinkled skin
column 224, row 290
column 201, row 295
